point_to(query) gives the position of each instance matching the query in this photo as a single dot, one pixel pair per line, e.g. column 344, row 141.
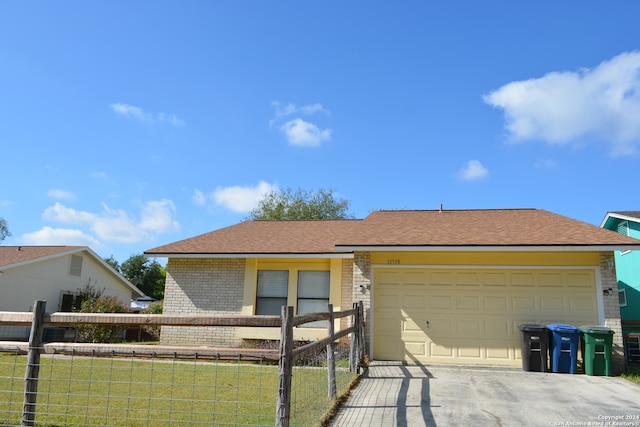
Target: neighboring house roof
column 16, row 256
column 495, row 229
column 612, row 217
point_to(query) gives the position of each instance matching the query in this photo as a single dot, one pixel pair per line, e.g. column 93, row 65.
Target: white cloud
column 242, row 199
column 303, row 133
column 156, row 217
column 560, row 107
column 61, row 194
column 61, row 213
column 60, row 236
column 115, row 225
column 199, row 198
column 473, row 171
column 143, row 116
column 291, row 109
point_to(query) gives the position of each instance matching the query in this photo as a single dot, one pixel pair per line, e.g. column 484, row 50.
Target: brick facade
column 361, row 290
column 612, row 308
column 201, row 285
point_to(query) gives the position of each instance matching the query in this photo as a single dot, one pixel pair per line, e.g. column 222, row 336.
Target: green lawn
column 632, row 374
column 126, row 392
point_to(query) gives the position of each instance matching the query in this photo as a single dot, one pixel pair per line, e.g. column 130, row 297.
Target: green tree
column 113, row 263
column 4, row 229
column 301, row 205
column 148, row 276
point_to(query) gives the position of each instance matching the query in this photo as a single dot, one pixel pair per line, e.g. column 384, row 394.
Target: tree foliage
column 148, row 276
column 301, row 205
column 113, row 263
column 4, row 229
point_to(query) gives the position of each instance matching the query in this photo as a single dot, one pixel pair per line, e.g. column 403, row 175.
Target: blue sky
column 128, row 125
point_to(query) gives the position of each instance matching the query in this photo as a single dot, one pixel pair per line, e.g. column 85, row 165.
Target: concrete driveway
column 393, row 394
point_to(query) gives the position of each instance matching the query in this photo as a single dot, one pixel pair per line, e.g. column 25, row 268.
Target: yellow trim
column 487, row 258
column 250, row 280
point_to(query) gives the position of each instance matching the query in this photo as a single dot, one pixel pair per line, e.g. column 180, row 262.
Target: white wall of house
column 47, row 279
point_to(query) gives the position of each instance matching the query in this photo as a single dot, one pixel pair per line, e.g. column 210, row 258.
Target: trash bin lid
column 594, row 329
column 559, row 327
column 531, row 327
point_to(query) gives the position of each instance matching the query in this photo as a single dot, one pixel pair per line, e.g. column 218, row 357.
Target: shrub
column 102, row 333
column 153, row 308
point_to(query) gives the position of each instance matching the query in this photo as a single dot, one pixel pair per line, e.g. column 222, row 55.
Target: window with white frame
column 622, row 297
column 313, row 294
column 272, row 291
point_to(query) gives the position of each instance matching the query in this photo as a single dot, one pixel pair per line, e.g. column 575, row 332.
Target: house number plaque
column 392, row 261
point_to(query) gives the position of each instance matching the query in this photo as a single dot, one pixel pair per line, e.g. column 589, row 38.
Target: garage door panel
column 582, row 304
column 440, row 278
column 413, row 300
column 553, row 303
column 522, row 279
column 520, row 303
column 475, row 320
column 494, row 279
column 495, row 303
column 579, row 280
column 554, row 280
column 441, row 351
column 440, row 302
column 467, row 279
column 468, row 302
column 469, row 327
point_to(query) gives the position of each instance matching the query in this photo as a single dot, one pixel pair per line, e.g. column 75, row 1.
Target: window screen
column 271, row 295
column 313, row 294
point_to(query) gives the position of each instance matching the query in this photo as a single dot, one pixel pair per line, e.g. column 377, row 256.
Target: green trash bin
column 596, row 350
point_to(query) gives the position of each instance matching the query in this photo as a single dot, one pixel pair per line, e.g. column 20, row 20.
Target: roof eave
column 614, row 215
column 488, row 248
column 343, row 255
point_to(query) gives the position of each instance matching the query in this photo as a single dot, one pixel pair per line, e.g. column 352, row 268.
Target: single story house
column 439, row 286
column 54, row 274
column 627, row 264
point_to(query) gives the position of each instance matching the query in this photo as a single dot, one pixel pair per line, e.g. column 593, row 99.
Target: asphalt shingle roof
column 447, row 228
column 10, row 255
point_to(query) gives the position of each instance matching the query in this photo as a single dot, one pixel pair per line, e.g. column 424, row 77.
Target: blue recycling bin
column 563, row 349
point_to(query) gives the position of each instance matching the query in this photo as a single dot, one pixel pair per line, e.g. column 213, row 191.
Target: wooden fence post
column 353, row 350
column 331, row 361
column 285, row 368
column 362, row 341
column 33, row 365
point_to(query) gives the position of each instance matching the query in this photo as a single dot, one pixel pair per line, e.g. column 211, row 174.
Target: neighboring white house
column 54, row 274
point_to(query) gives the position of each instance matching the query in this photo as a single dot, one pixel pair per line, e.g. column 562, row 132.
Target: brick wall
column 362, row 276
column 203, row 286
column 612, row 308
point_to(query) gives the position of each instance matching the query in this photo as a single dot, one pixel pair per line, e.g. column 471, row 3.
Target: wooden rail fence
column 286, row 355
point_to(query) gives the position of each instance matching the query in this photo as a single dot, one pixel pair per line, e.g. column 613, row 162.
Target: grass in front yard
column 632, row 374
column 98, row 391
column 118, row 392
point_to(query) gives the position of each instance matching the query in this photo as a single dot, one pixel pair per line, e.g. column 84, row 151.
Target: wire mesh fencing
column 311, row 398
column 72, row 384
column 132, row 390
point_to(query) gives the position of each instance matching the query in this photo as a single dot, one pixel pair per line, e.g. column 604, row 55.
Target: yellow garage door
column 471, row 316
